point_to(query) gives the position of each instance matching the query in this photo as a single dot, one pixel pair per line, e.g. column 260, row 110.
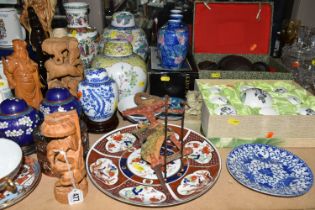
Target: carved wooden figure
column 152, row 136
column 37, row 36
column 64, row 69
column 22, row 74
column 44, row 9
column 65, row 129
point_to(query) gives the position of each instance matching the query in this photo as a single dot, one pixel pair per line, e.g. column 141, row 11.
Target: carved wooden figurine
column 64, row 69
column 22, row 74
column 44, row 9
column 152, row 136
column 65, row 153
column 37, row 36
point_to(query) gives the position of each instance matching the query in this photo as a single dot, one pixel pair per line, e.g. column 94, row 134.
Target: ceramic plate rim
column 152, row 205
column 31, row 189
column 262, row 191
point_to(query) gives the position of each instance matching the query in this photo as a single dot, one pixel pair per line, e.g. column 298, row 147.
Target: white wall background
column 304, row 10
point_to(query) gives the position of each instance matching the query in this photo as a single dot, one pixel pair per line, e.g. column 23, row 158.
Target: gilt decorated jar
column 125, row 67
column 78, row 27
column 123, row 27
column 17, row 122
column 98, row 94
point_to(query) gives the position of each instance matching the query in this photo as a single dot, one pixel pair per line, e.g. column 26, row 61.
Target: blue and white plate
column 270, row 170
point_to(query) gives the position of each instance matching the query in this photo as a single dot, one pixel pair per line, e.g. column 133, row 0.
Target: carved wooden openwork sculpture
column 44, row 9
column 65, row 153
column 153, row 136
column 22, row 74
column 64, row 68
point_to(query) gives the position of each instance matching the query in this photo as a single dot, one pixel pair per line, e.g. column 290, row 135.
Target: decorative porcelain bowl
column 225, row 110
column 10, row 163
column 123, row 19
column 256, row 98
column 59, row 100
column 306, row 111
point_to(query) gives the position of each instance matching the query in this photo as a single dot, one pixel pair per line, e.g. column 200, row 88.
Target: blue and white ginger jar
column 59, row 100
column 173, row 44
column 98, row 94
column 17, row 122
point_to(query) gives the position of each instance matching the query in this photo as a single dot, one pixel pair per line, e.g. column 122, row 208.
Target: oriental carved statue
column 22, row 74
column 44, row 9
column 65, row 153
column 64, row 68
column 152, row 136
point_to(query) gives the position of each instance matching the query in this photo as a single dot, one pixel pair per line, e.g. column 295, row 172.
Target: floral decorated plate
column 269, row 169
column 115, row 166
column 26, row 181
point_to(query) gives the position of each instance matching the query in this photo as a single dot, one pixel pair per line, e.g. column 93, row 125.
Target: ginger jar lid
column 96, row 75
column 13, row 106
column 58, row 94
column 123, row 19
column 117, row 48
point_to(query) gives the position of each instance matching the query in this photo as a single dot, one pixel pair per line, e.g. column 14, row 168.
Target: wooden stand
column 102, row 127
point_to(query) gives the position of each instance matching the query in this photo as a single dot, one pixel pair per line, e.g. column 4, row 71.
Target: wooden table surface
column 225, row 194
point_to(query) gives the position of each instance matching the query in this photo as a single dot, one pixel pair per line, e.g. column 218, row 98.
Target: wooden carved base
column 102, row 127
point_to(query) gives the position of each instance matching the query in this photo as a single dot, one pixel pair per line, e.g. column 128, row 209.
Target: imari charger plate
column 269, row 169
column 115, row 166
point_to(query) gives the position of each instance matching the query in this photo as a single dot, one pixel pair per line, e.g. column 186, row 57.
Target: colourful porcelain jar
column 123, row 27
column 172, row 44
column 127, row 69
column 78, row 27
column 59, row 100
column 17, row 122
column 98, row 95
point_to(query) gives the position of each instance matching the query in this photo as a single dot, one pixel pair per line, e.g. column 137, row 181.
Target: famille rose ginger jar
column 125, row 67
column 123, row 27
column 59, row 100
column 17, row 122
column 78, row 27
column 173, row 44
column 98, row 94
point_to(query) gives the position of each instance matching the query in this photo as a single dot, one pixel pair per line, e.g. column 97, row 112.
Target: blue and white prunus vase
column 17, row 122
column 173, row 44
column 98, row 94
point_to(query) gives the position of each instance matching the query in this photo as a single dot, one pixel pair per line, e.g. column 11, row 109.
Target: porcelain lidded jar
column 59, row 100
column 125, row 67
column 78, row 27
column 172, row 44
column 98, row 94
column 123, row 27
column 17, row 122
